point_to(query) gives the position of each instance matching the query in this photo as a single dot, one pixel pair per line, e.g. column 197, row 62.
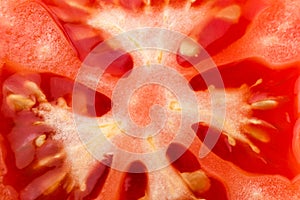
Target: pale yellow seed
column 189, row 48
column 258, row 82
column 265, row 104
column 231, row 13
column 110, row 130
column 174, row 105
column 197, row 181
column 257, row 132
column 150, row 141
column 69, row 185
column 39, row 141
column 260, row 122
column 17, row 102
column 231, row 141
column 83, row 187
column 54, row 186
column 48, row 160
column 160, row 56
column 41, row 97
column 36, row 123
column 254, row 148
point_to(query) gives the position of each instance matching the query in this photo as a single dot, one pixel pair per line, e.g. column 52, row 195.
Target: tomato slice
column 55, row 37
